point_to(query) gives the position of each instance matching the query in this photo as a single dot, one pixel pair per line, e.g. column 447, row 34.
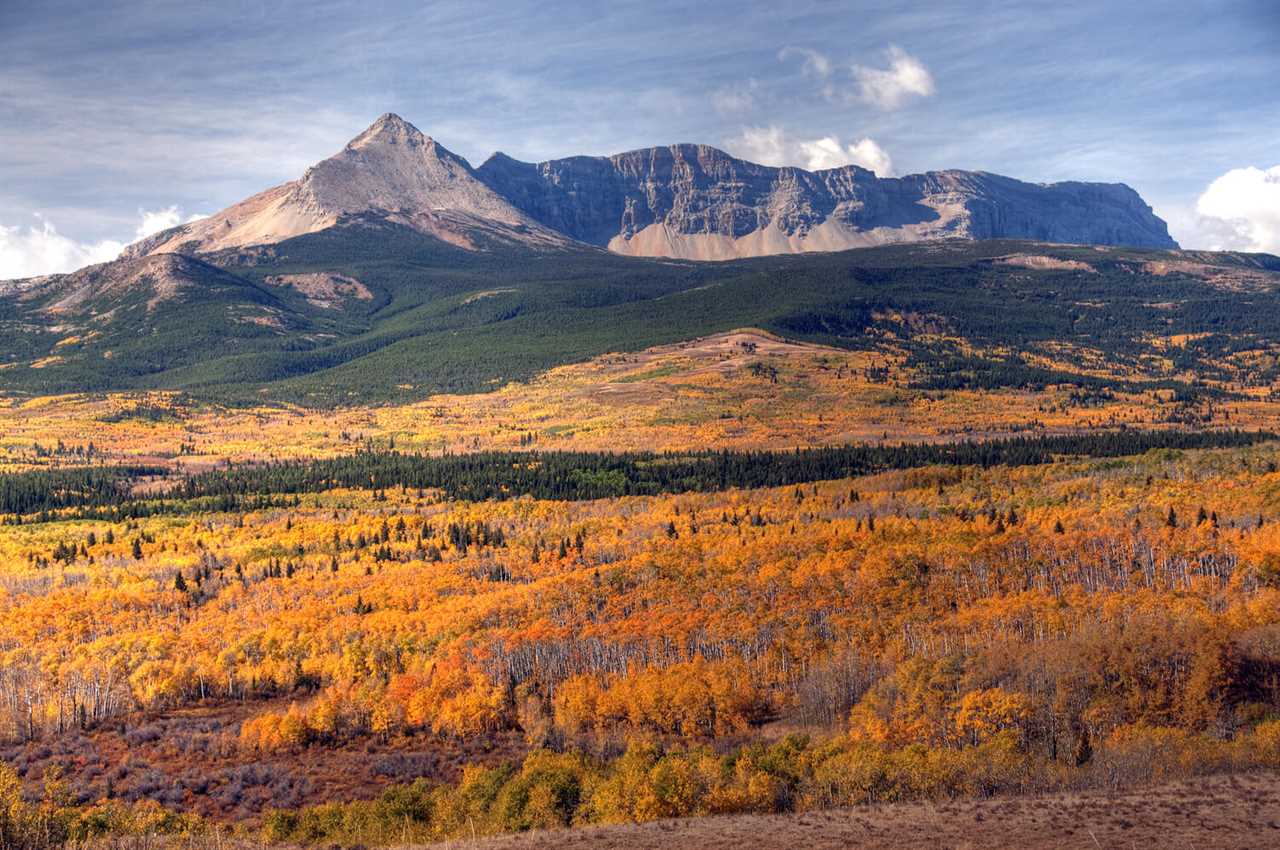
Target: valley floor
column 1211, row 813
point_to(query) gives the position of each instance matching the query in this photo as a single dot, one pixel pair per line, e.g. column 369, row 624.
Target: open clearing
column 1212, row 813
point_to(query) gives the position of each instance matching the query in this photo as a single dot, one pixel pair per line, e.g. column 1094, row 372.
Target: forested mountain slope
column 371, row 310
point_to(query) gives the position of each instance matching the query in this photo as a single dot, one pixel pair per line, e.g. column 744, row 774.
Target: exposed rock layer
column 698, row 202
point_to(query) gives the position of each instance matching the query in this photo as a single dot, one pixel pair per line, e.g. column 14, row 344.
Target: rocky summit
column 686, row 201
column 391, row 170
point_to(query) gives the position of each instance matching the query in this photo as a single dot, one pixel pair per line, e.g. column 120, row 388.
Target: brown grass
column 188, row 760
column 1210, row 813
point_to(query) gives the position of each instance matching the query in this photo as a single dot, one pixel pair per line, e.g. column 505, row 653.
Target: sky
column 118, row 119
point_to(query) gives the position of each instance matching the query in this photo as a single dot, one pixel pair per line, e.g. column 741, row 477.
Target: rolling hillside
column 372, row 310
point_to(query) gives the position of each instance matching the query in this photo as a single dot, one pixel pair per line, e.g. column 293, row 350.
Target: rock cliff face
column 687, row 201
column 698, row 202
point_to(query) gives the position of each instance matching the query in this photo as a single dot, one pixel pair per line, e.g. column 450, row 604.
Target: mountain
column 394, row 270
column 114, row 324
column 697, row 202
column 684, row 201
column 391, row 170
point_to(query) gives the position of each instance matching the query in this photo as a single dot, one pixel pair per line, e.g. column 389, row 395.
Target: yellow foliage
column 985, row 713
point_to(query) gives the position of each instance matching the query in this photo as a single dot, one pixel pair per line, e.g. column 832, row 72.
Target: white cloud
column 827, row 152
column 40, row 249
column 773, row 145
column 43, row 250
column 153, row 221
column 765, row 145
column 1241, row 211
column 812, row 62
column 889, row 88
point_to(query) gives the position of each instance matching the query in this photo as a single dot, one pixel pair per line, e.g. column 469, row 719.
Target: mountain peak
column 391, row 171
column 390, row 129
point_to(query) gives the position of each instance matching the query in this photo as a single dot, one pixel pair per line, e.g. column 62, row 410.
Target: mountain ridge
column 686, row 201
column 698, row 202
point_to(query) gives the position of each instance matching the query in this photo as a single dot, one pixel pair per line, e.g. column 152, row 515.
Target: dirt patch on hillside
column 719, row 351
column 1042, row 263
column 1230, row 278
column 323, row 289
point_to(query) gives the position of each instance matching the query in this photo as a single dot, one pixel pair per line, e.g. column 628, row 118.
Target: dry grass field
column 1213, row 813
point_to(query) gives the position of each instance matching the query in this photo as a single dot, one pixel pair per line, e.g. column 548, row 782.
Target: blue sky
column 110, row 112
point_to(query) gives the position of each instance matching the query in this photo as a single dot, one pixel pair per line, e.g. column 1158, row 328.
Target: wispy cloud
column 735, row 99
column 905, row 79
column 902, row 79
column 813, row 62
